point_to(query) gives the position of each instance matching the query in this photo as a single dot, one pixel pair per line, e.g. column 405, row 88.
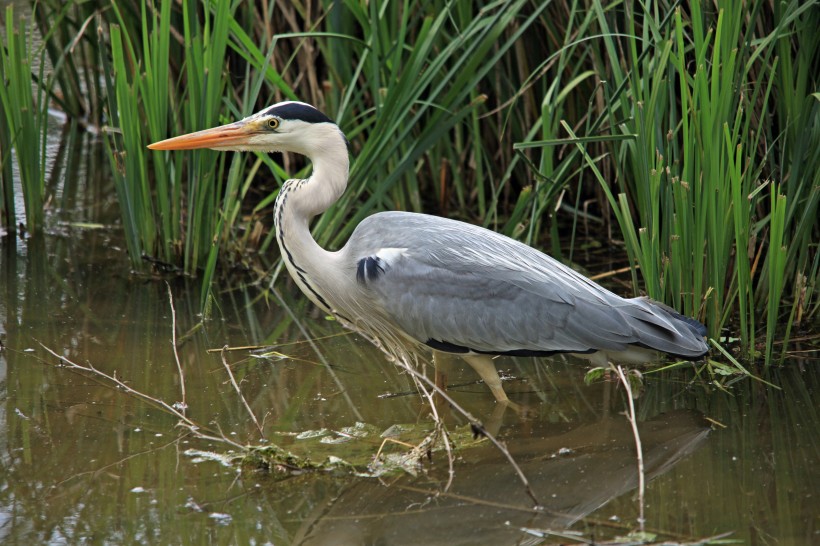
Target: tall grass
column 48, row 61
column 173, row 209
column 8, row 214
column 422, row 89
column 692, row 132
column 691, row 199
column 711, row 240
column 24, row 120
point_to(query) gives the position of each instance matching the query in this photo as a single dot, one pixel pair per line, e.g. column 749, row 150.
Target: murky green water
column 85, row 463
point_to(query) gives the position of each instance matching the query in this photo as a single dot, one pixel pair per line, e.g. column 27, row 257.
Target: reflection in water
column 84, row 463
column 573, row 473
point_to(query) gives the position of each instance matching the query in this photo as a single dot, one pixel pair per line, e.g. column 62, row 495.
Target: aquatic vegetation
column 692, row 107
column 687, row 135
column 22, row 117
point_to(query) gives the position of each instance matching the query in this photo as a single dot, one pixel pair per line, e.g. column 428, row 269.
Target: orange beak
column 224, row 137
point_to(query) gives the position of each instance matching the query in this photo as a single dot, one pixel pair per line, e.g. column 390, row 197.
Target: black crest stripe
column 299, row 111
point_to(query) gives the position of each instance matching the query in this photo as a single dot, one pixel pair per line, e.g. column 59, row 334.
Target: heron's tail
column 683, row 336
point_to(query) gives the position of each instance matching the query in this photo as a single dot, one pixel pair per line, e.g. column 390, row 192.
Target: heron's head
column 283, row 127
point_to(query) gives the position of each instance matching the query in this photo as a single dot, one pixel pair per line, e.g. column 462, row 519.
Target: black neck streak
column 289, row 187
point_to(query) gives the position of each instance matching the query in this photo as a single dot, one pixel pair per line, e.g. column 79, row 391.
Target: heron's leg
column 441, row 364
column 484, row 366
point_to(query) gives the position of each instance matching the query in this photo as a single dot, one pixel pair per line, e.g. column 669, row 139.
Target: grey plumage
column 413, row 279
column 470, row 288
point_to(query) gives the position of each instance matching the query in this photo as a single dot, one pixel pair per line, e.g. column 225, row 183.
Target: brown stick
column 184, row 421
column 239, row 392
column 630, row 416
column 183, row 405
column 475, row 423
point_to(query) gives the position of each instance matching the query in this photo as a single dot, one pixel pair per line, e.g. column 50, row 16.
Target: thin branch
column 638, row 447
column 239, row 392
column 184, row 421
column 480, row 501
column 121, row 461
column 439, row 428
column 183, row 405
column 400, row 358
column 475, row 423
column 278, row 345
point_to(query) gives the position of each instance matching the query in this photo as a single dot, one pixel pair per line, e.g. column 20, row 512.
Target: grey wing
column 458, row 287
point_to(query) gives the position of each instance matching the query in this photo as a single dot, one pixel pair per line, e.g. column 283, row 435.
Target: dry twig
column 183, row 405
column 239, row 392
column 184, row 421
column 638, row 447
column 423, row 382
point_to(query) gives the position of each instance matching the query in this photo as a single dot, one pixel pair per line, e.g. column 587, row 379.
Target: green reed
column 24, row 112
column 423, row 91
column 171, row 207
column 72, row 38
column 691, row 112
column 8, row 216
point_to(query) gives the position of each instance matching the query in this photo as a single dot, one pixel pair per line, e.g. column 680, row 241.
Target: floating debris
column 309, row 434
column 346, row 434
column 395, row 431
column 200, row 456
column 220, row 518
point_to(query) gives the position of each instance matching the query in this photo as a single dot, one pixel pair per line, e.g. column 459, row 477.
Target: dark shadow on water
column 574, row 472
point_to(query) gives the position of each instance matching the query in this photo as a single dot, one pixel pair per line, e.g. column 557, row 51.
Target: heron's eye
column 273, row 123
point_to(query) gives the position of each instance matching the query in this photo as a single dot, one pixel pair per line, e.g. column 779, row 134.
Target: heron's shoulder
column 438, row 241
column 406, row 219
column 411, row 229
column 428, row 228
column 458, row 247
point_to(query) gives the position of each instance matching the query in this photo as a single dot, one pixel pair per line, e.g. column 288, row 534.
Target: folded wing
column 460, row 288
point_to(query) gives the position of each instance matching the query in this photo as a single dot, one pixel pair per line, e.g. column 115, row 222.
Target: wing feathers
column 464, row 286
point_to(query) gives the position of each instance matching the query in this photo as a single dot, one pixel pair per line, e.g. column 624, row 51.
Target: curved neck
column 301, row 200
column 327, row 150
column 326, row 183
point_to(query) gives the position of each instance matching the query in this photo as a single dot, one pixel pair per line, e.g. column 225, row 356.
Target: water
column 83, row 462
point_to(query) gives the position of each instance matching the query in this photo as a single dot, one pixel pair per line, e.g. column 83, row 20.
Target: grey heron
column 423, row 280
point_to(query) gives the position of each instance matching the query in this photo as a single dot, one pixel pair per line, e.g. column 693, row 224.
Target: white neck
column 300, row 200
column 328, row 181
